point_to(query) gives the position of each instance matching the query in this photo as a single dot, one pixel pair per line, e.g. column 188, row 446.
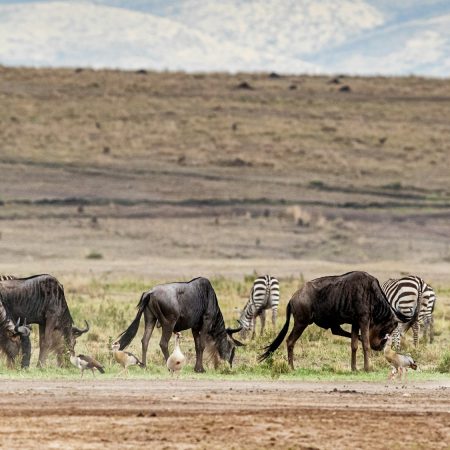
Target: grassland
column 113, row 181
column 110, row 306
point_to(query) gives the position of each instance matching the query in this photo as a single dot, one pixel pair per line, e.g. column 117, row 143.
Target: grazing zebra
column 265, row 294
column 426, row 319
column 405, row 295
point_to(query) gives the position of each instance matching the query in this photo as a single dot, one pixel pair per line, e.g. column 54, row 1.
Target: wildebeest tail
column 279, row 339
column 127, row 336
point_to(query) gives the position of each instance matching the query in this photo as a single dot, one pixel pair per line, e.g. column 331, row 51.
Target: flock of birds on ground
column 410, row 298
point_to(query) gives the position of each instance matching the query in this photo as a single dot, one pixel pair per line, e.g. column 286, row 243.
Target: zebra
column 7, row 277
column 405, row 295
column 426, row 319
column 265, row 294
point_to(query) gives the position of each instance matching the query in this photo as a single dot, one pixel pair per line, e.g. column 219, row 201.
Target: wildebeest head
column 12, row 340
column 379, row 331
column 77, row 332
column 226, row 346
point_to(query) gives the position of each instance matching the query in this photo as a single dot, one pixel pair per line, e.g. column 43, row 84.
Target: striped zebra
column 405, row 295
column 7, row 277
column 426, row 319
column 265, row 294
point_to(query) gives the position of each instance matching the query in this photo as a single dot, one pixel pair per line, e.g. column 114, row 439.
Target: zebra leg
column 262, row 317
column 416, row 328
column 431, row 329
column 253, row 326
column 274, row 318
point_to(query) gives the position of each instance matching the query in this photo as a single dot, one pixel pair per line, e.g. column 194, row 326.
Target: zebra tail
column 279, row 339
column 127, row 336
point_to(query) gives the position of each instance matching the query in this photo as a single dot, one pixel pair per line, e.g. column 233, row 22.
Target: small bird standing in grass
column 398, row 361
column 176, row 360
column 125, row 359
column 84, row 362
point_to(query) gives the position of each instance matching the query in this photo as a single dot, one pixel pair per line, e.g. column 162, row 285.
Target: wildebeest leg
column 149, row 321
column 26, row 351
column 364, row 325
column 199, row 347
column 167, row 330
column 338, row 331
column 296, row 332
column 262, row 316
column 355, row 338
column 45, row 341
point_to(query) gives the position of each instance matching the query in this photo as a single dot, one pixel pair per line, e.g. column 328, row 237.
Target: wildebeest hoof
column 199, row 370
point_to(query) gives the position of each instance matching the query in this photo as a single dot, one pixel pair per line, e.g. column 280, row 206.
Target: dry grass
column 110, row 308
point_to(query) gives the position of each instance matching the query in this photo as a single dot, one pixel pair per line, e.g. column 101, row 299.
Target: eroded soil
column 91, row 414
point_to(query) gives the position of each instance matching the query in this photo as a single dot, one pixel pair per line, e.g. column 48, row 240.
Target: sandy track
column 222, row 414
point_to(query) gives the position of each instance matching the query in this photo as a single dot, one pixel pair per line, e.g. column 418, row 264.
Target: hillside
column 110, row 170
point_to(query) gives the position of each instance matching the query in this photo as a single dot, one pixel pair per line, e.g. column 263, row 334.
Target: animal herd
column 378, row 315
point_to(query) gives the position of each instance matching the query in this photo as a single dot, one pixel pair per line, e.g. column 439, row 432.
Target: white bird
column 125, row 359
column 84, row 362
column 398, row 361
column 176, row 360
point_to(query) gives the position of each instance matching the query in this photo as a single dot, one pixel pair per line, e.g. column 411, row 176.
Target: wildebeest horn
column 24, row 330
column 78, row 332
column 230, row 331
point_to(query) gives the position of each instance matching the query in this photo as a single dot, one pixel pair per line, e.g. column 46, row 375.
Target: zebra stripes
column 7, row 277
column 426, row 319
column 265, row 294
column 410, row 296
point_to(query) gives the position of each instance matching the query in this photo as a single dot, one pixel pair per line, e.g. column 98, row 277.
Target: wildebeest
column 182, row 306
column 40, row 299
column 11, row 335
column 355, row 298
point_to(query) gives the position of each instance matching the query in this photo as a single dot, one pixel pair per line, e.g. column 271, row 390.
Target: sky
column 367, row 37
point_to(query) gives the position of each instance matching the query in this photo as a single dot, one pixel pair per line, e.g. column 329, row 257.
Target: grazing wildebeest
column 11, row 335
column 182, row 306
column 40, row 299
column 355, row 298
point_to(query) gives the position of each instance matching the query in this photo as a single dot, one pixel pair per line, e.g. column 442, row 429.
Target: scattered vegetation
column 109, row 306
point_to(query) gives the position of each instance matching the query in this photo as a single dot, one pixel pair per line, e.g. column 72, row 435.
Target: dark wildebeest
column 12, row 336
column 182, row 306
column 355, row 298
column 40, row 299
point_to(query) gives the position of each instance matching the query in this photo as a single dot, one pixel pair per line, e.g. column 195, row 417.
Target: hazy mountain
column 352, row 36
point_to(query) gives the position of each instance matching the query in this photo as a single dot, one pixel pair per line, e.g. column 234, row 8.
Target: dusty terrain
column 223, row 414
column 172, row 175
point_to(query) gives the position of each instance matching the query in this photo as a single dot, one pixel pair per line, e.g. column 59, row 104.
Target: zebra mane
column 7, row 277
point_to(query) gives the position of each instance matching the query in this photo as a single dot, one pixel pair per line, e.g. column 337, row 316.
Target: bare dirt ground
column 91, row 414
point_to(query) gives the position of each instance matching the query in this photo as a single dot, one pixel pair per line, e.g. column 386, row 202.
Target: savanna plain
column 116, row 181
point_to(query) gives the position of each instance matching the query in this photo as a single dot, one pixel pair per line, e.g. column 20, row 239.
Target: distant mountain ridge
column 287, row 36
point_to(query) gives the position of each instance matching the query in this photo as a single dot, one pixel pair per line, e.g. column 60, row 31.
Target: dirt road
column 91, row 414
